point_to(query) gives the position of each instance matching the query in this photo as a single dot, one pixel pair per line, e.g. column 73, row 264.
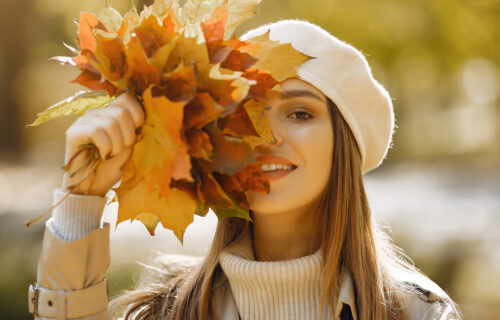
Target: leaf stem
column 92, row 162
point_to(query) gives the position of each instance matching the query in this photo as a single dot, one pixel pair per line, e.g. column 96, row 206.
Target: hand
column 112, row 130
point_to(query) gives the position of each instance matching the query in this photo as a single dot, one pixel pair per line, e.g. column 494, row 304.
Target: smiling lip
column 276, row 174
column 274, row 159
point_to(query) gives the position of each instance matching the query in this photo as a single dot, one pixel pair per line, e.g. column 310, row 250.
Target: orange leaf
column 175, row 212
column 94, row 81
column 258, row 116
column 152, row 35
column 140, row 74
column 161, row 154
column 252, row 178
column 86, row 24
column 211, row 192
column 199, row 143
column 237, row 123
column 230, row 154
column 238, row 61
column 200, row 111
column 265, row 82
column 179, row 85
column 213, row 29
column 111, row 58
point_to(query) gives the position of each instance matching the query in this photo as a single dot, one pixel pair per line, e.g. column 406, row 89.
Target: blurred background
column 438, row 191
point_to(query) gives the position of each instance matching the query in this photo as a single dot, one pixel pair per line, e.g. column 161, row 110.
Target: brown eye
column 301, row 115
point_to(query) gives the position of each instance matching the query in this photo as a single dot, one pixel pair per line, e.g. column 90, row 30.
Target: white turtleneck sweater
column 289, row 289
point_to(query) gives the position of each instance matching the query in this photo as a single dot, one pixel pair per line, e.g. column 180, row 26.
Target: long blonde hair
column 348, row 235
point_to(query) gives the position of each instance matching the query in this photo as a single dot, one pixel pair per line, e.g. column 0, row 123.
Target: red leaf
column 178, row 85
column 230, row 154
column 86, row 24
column 264, row 81
column 252, row 178
column 237, row 123
column 200, row 111
column 94, row 81
column 213, row 29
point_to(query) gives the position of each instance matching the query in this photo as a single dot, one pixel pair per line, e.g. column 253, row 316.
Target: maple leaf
column 94, row 81
column 175, row 212
column 238, row 11
column 263, row 82
column 257, row 114
column 203, row 93
column 277, row 58
column 77, row 104
column 111, row 18
column 161, row 132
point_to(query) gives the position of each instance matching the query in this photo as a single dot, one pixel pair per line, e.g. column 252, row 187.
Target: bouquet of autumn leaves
column 202, row 90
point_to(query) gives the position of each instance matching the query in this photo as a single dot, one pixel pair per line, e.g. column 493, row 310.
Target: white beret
column 342, row 73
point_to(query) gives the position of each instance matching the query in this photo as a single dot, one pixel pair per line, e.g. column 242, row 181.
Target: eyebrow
column 299, row 93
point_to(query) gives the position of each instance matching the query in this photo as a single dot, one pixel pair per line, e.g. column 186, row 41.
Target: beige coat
column 71, row 285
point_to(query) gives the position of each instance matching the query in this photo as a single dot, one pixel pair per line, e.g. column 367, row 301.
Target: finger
column 124, row 118
column 80, row 134
column 130, row 102
column 128, row 128
column 112, row 128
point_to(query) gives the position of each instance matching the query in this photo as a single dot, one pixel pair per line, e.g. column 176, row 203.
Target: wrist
column 77, row 215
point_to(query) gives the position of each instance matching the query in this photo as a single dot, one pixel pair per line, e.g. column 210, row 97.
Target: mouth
column 275, row 167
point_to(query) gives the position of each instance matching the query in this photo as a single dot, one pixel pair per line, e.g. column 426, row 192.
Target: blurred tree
column 14, row 45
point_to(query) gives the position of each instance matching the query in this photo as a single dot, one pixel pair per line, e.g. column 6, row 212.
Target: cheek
column 316, row 148
column 313, row 147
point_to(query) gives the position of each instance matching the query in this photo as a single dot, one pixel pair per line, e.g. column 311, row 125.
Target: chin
column 271, row 203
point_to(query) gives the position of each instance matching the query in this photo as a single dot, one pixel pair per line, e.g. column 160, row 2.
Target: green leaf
column 201, row 209
column 234, row 211
column 77, row 104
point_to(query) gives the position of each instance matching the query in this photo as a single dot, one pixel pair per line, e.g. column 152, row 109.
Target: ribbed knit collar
column 289, row 289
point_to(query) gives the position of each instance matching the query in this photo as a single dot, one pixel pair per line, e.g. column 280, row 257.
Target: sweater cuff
column 76, row 216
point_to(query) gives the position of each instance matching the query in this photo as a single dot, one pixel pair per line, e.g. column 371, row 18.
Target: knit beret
column 342, row 73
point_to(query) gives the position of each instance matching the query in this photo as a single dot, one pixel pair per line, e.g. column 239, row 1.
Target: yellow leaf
column 130, row 20
column 196, row 11
column 111, row 18
column 162, row 7
column 160, row 154
column 258, row 116
column 149, row 220
column 160, row 58
column 77, row 104
column 281, row 60
column 238, row 11
column 191, row 50
column 240, row 84
column 174, row 212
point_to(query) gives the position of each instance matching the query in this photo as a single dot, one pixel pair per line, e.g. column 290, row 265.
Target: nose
column 273, row 118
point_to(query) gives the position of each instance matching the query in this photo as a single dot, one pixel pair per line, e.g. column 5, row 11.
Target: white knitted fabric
column 342, row 73
column 289, row 289
column 76, row 216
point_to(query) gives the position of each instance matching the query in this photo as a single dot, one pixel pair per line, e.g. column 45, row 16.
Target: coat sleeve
column 426, row 305
column 70, row 276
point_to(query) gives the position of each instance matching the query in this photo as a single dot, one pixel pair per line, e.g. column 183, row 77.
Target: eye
column 301, row 115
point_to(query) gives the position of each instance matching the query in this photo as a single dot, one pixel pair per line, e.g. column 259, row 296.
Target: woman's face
column 299, row 163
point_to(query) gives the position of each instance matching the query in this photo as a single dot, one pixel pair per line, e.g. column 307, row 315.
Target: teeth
column 273, row 167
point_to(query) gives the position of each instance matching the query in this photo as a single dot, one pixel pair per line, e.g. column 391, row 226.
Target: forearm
column 73, row 260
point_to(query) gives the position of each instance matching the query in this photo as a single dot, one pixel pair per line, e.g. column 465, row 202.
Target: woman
column 312, row 251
